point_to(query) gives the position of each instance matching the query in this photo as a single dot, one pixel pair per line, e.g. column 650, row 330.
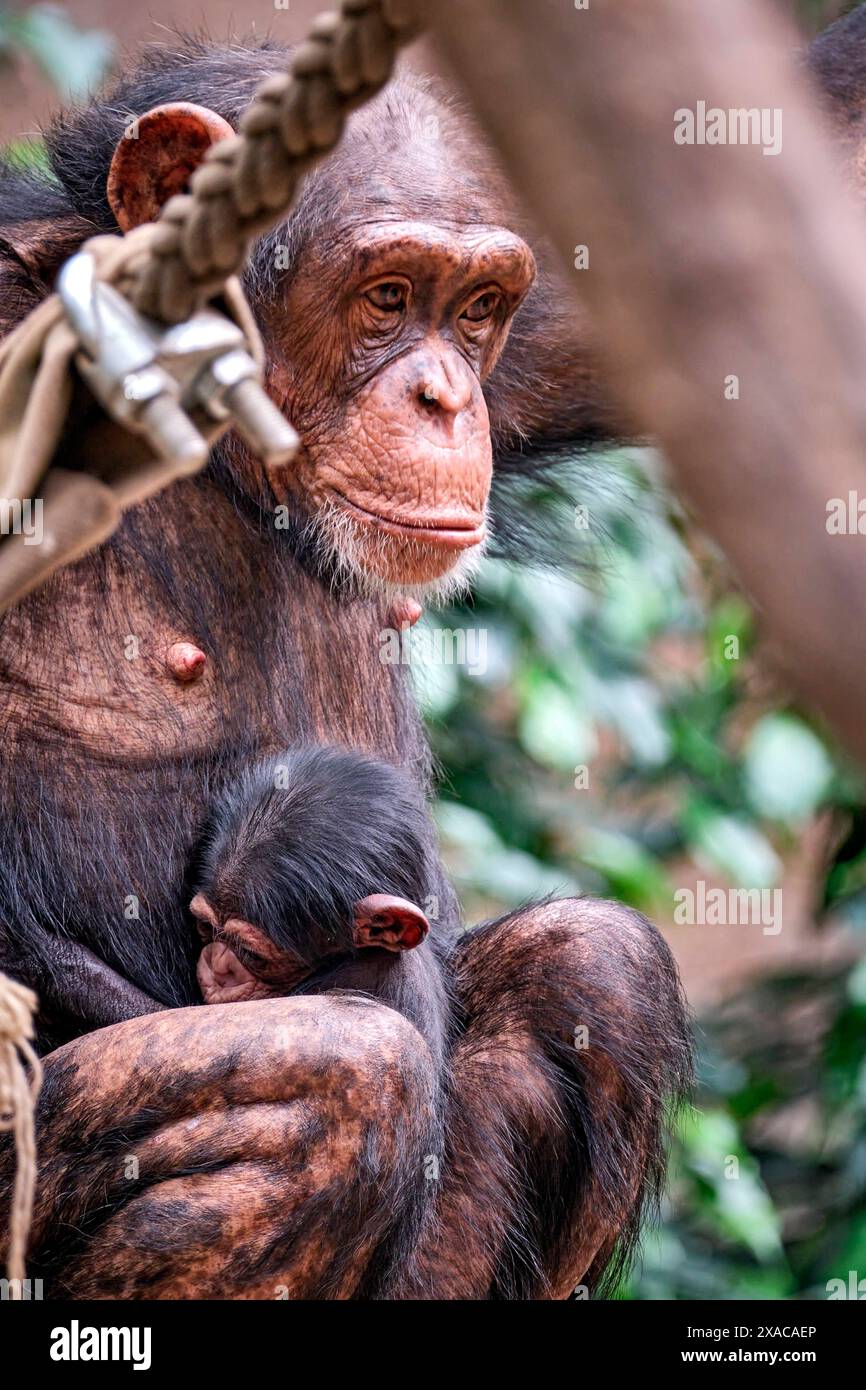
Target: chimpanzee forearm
column 414, row 984
column 216, row 1105
column 92, row 991
column 74, row 984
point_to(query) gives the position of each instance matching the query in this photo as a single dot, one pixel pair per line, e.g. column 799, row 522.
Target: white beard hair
column 335, row 534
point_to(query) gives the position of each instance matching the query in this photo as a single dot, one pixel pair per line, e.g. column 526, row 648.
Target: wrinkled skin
column 426, row 317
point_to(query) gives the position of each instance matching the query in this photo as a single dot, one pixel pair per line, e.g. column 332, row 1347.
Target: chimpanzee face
column 408, row 320
column 379, row 340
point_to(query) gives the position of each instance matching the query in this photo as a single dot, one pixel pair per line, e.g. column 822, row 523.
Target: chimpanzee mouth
column 355, row 553
column 455, row 532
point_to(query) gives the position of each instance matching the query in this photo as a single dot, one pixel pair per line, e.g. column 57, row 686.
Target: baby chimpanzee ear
column 393, row 924
column 155, row 157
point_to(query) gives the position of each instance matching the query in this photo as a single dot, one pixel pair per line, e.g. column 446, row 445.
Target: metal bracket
column 151, row 377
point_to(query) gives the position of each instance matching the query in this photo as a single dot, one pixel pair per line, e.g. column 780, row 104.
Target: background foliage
column 691, row 755
column 616, row 734
column 627, row 677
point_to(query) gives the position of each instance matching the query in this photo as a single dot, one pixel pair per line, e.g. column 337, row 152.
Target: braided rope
column 246, row 183
column 18, row 1092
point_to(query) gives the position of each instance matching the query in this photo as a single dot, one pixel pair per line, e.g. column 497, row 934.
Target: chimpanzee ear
column 392, row 924
column 155, row 157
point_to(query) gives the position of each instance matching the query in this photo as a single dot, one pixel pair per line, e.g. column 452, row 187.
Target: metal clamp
column 150, row 377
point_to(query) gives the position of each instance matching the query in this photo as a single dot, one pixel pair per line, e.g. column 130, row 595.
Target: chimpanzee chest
column 141, row 680
column 125, row 710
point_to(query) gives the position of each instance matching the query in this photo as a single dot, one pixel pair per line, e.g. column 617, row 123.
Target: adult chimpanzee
column 297, row 1143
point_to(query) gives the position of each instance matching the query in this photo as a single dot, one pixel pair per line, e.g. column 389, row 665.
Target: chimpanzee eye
column 251, row 959
column 390, row 297
column 483, row 307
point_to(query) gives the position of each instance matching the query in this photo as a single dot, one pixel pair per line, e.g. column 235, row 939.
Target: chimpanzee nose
column 444, row 385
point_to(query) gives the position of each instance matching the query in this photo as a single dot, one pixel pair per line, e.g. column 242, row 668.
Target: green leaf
column 481, row 861
column 788, row 771
column 633, row 707
column 515, row 877
column 436, row 686
column 466, row 828
column 74, row 59
column 28, row 154
column 731, row 845
column 634, row 606
column 553, row 730
column 714, row 1151
column 856, row 986
column 633, row 873
column 729, row 630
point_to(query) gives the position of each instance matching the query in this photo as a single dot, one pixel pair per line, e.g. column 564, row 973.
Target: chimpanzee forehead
column 413, row 177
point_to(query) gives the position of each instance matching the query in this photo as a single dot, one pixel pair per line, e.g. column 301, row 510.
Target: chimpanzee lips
column 452, row 531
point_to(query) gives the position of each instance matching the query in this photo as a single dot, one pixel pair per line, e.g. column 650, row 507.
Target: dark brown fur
column 296, row 1143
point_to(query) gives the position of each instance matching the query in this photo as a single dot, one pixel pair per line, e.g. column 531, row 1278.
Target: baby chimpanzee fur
column 312, row 872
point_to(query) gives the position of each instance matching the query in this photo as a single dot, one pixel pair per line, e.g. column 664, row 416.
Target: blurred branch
column 705, row 262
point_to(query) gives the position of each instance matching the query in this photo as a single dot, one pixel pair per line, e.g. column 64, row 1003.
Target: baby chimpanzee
column 312, row 870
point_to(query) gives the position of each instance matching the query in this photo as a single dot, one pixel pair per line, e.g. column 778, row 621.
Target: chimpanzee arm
column 270, row 1150
column 575, row 1042
column 413, row 983
column 74, row 984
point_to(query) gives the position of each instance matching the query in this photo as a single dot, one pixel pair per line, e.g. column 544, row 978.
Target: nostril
column 444, row 393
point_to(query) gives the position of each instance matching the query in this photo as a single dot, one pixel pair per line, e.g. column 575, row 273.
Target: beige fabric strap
column 20, row 1080
column 104, row 469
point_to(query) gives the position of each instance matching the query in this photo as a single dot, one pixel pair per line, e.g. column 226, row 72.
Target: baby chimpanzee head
column 313, row 854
